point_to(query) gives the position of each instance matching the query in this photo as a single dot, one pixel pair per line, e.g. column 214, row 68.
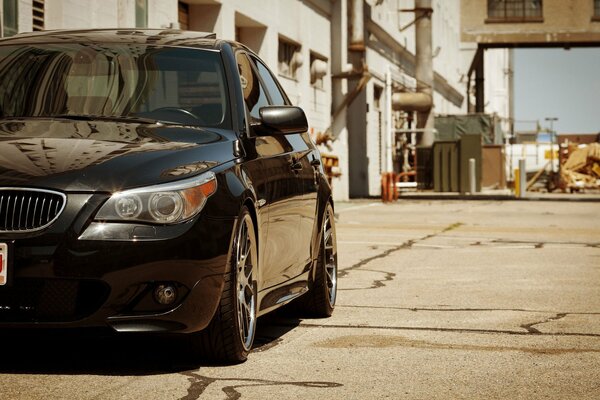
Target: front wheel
column 320, row 300
column 230, row 334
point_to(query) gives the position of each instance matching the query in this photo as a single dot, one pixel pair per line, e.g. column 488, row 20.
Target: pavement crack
column 342, row 273
column 452, row 330
column 530, row 327
column 264, row 343
column 388, row 341
column 452, row 227
column 389, row 276
column 377, row 283
column 459, row 309
column 538, row 244
column 199, row 384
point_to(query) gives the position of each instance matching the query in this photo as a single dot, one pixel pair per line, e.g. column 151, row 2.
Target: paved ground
column 438, row 300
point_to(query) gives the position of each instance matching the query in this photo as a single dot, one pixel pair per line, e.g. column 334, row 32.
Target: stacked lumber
column 582, row 168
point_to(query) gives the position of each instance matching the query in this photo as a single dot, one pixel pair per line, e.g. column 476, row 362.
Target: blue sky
column 558, row 83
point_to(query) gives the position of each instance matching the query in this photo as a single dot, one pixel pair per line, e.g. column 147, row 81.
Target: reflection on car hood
column 104, row 156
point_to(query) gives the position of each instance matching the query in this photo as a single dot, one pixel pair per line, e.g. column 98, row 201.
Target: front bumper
column 61, row 281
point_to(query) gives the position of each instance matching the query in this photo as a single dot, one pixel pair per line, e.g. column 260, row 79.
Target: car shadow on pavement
column 75, row 352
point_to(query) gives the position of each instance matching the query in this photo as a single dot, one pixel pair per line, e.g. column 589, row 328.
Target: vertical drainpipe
column 480, row 81
column 357, row 34
column 389, row 137
column 1, row 19
column 424, row 67
column 511, row 90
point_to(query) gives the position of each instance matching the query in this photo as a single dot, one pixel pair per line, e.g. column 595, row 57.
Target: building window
column 141, row 13
column 515, row 11
column 184, row 16
column 38, row 15
column 289, row 59
column 10, row 16
column 596, row 16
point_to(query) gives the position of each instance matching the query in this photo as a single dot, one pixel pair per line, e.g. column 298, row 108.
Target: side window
column 277, row 97
column 254, row 94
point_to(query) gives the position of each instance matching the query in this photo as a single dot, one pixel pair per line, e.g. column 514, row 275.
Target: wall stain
column 386, row 341
column 199, row 384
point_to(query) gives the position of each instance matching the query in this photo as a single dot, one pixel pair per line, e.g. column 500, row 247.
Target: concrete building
column 531, row 23
column 390, row 52
column 341, row 60
column 499, row 24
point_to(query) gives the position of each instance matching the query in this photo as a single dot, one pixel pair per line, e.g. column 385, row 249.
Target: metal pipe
column 472, row 176
column 389, row 164
column 357, row 34
column 424, row 67
column 1, row 19
column 521, row 179
column 480, row 81
column 410, row 101
column 511, row 90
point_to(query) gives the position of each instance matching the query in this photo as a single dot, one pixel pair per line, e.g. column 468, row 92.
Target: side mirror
column 281, row 120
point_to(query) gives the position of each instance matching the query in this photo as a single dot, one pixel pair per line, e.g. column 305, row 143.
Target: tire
column 319, row 302
column 230, row 335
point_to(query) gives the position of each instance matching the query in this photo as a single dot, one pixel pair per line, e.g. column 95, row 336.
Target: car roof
column 158, row 37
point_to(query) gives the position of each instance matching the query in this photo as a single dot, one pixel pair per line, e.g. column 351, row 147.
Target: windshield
column 177, row 85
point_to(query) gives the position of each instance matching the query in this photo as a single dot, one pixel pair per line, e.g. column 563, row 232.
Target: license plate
column 3, row 263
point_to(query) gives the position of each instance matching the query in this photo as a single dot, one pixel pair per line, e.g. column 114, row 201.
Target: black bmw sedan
column 156, row 181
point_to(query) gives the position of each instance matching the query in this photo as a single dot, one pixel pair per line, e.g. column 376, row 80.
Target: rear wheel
column 230, row 334
column 321, row 297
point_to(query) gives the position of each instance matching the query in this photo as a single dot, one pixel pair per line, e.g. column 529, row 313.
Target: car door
column 280, row 253
column 305, row 161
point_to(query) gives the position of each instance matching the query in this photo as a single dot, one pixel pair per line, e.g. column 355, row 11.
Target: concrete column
column 424, row 67
column 339, row 88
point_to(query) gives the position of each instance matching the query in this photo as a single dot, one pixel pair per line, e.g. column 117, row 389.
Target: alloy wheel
column 330, row 255
column 245, row 287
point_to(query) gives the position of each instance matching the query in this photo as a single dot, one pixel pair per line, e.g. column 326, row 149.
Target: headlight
column 168, row 203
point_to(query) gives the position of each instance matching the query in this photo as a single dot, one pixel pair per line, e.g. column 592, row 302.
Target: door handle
column 295, row 165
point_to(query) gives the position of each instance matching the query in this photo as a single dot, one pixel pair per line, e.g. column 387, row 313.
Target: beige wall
column 564, row 22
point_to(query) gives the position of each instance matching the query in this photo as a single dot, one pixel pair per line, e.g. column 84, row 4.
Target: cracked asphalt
column 437, row 300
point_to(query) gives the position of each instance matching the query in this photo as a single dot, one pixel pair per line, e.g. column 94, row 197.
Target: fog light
column 165, row 294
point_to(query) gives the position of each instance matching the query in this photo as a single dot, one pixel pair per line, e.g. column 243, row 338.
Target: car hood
column 104, row 156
